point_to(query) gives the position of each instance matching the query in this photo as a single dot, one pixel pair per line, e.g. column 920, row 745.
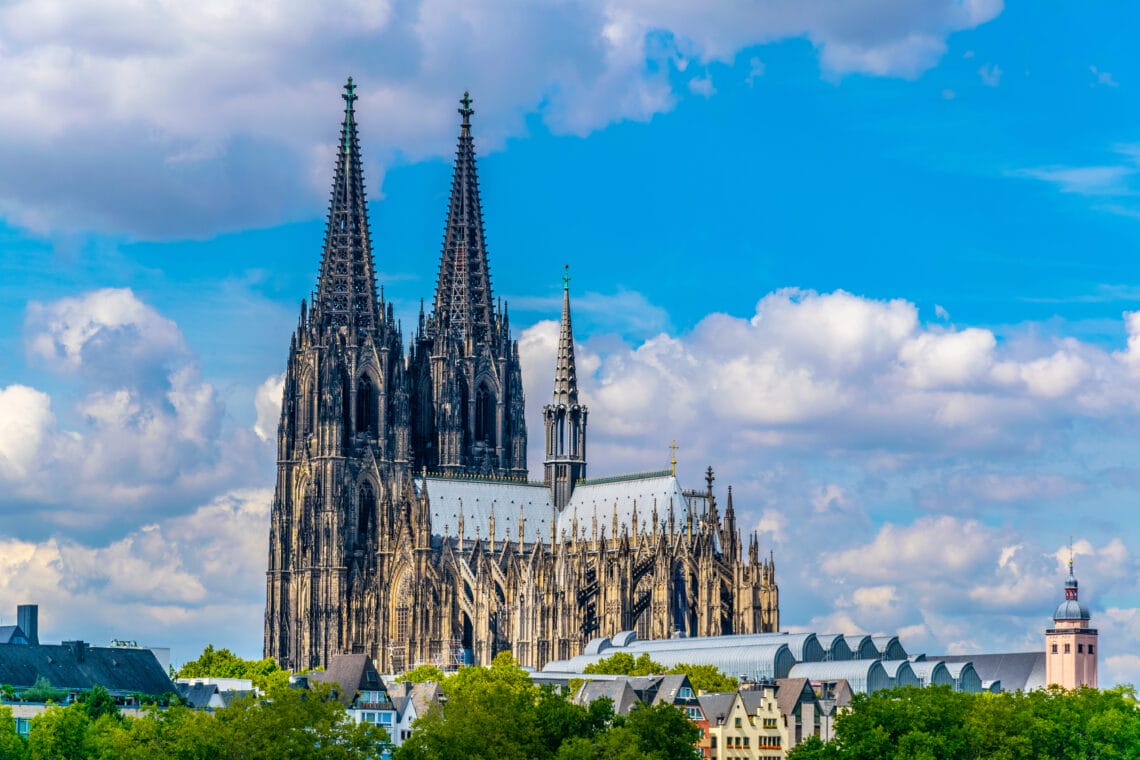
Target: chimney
column 78, row 648
column 27, row 617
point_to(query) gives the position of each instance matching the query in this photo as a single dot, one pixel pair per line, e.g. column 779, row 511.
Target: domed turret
column 1071, row 608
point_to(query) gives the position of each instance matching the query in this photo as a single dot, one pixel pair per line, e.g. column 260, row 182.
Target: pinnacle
column 565, row 373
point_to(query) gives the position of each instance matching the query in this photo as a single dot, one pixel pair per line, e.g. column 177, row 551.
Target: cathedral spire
column 463, row 302
column 565, row 374
column 565, row 419
column 346, row 289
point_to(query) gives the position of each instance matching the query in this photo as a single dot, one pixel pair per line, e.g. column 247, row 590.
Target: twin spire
column 463, row 305
column 346, row 289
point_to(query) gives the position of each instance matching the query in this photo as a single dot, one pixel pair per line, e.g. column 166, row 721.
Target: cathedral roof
column 648, row 493
column 475, row 499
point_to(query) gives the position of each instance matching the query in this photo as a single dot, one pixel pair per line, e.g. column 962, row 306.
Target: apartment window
column 769, row 723
column 1067, row 649
column 1054, row 649
column 738, row 722
column 712, row 742
column 746, row 742
column 1080, row 648
column 1092, row 648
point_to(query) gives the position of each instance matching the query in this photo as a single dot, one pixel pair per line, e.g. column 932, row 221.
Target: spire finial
column 466, row 111
column 566, row 277
column 1070, row 554
column 673, row 459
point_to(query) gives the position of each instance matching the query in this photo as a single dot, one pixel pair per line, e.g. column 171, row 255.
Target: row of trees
column 286, row 723
column 936, row 723
column 498, row 713
column 706, row 678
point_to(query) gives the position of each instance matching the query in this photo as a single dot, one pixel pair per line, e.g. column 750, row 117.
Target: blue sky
column 874, row 261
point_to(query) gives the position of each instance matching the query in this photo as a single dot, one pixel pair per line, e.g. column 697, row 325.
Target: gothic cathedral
column 403, row 524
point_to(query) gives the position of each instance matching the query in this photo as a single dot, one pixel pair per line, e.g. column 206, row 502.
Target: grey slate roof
column 619, row 692
column 1017, row 671
column 12, row 634
column 353, row 673
column 717, row 706
column 79, row 666
column 197, row 695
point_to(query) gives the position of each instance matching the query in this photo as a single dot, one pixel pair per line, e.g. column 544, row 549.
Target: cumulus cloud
column 161, row 583
column 848, row 373
column 115, row 114
column 267, row 402
column 144, row 433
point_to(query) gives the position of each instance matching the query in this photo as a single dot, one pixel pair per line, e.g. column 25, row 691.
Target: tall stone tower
column 467, row 391
column 1070, row 645
column 565, row 419
column 344, row 434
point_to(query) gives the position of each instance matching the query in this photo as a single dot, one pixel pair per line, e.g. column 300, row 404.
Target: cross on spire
column 673, row 459
column 466, row 111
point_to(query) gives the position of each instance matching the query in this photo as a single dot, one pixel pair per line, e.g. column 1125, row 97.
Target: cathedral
column 404, row 525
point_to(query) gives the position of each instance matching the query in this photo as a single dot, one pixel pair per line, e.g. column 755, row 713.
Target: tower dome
column 1071, row 608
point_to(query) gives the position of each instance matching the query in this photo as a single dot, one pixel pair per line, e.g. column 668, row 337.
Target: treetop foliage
column 287, row 723
column 498, row 712
column 706, row 678
column 222, row 663
column 937, row 723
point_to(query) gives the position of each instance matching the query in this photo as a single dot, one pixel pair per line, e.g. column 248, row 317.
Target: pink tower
column 1070, row 645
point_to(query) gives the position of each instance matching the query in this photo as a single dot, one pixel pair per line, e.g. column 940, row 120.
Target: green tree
column 936, row 723
column 706, row 678
column 12, row 745
column 422, row 674
column 222, row 663
column 59, row 733
column 99, row 702
column 43, row 691
column 663, row 732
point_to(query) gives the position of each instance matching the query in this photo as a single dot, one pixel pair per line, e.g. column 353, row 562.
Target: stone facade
column 403, row 526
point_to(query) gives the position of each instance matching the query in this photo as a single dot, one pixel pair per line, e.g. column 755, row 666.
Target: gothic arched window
column 365, row 405
column 366, row 517
column 402, row 623
column 485, row 416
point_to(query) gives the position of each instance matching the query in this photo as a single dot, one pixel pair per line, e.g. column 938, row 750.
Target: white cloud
column 838, row 371
column 703, row 86
column 1102, row 78
column 226, row 111
column 25, row 418
column 144, row 433
column 267, row 403
column 178, row 582
column 990, row 74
